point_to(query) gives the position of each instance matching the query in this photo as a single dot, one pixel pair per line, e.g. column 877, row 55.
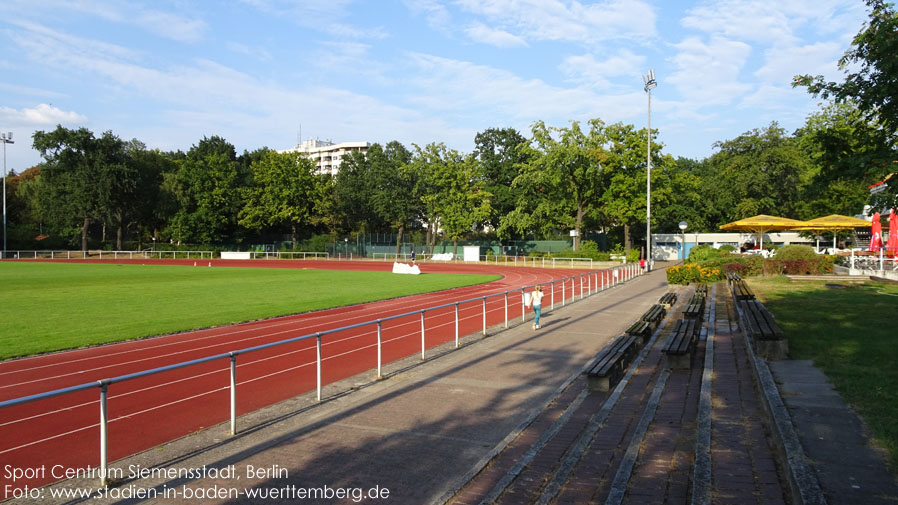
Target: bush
column 796, row 252
column 726, row 248
column 704, row 252
column 694, row 273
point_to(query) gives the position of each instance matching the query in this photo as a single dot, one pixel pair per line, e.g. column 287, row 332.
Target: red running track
column 63, row 432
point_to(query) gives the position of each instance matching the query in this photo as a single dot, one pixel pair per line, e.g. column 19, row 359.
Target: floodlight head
column 9, row 135
column 683, row 225
column 649, row 80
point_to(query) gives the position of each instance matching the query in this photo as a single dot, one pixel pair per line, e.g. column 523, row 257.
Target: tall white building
column 326, row 155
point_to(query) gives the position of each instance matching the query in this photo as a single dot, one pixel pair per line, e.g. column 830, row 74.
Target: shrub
column 796, row 252
column 703, row 252
column 694, row 273
column 726, row 248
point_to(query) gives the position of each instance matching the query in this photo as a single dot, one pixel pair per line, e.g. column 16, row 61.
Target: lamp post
column 683, row 226
column 6, row 138
column 650, row 83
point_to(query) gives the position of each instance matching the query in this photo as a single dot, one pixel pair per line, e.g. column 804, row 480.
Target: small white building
column 670, row 246
column 326, row 155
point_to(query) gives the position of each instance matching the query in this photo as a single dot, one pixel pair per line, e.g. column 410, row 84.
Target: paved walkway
column 505, row 419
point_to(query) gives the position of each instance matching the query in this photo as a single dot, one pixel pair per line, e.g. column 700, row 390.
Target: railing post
column 379, row 350
column 104, row 434
column 523, row 313
column 553, row 295
column 506, row 309
column 563, row 295
column 456, row 325
column 484, row 316
column 233, row 393
column 318, row 364
column 422, row 336
column 581, row 286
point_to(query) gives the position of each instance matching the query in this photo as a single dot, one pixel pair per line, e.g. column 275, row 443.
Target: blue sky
column 257, row 72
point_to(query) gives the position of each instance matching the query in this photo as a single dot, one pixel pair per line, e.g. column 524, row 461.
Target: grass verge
column 53, row 306
column 848, row 330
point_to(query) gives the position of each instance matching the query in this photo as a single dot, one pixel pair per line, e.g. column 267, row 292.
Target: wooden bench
column 701, row 289
column 609, row 364
column 641, row 330
column 678, row 347
column 654, row 315
column 695, row 309
column 733, row 276
column 668, row 300
column 741, row 291
column 761, row 327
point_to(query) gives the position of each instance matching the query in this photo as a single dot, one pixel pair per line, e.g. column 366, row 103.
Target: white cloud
column 171, row 26
column 568, row 20
column 41, row 115
column 461, row 89
column 783, row 63
column 586, row 70
column 493, row 36
column 322, row 15
column 708, row 74
column 772, row 22
column 436, row 14
column 257, row 52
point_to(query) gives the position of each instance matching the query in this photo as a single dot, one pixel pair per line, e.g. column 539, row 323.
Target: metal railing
column 526, row 261
column 288, row 255
column 589, row 283
column 100, row 254
column 870, row 260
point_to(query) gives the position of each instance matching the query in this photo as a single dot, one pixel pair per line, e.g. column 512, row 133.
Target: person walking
column 536, row 299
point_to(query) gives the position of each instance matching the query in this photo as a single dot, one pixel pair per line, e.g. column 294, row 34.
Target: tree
column 762, row 171
column 397, row 202
column 209, row 194
column 83, row 175
column 501, row 152
column 870, row 66
column 354, row 187
column 561, row 183
column 283, row 193
column 623, row 199
column 457, row 199
column 848, row 152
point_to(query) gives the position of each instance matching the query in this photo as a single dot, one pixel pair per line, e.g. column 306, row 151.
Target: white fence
column 525, row 261
column 99, row 254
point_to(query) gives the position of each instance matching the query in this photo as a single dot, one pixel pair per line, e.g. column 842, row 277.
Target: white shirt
column 537, row 298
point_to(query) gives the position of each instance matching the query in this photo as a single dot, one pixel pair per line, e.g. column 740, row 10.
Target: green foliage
column 704, row 252
column 500, row 152
column 694, row 273
column 282, row 194
column 796, row 252
column 561, row 184
column 726, row 249
column 759, row 172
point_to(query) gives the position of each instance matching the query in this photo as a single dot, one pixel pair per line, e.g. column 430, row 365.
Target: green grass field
column 850, row 333
column 53, row 306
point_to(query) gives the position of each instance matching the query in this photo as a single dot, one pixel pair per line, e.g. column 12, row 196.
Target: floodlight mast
column 6, row 138
column 649, row 81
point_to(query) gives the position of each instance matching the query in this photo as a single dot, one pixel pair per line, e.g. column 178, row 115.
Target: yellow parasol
column 835, row 223
column 762, row 224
